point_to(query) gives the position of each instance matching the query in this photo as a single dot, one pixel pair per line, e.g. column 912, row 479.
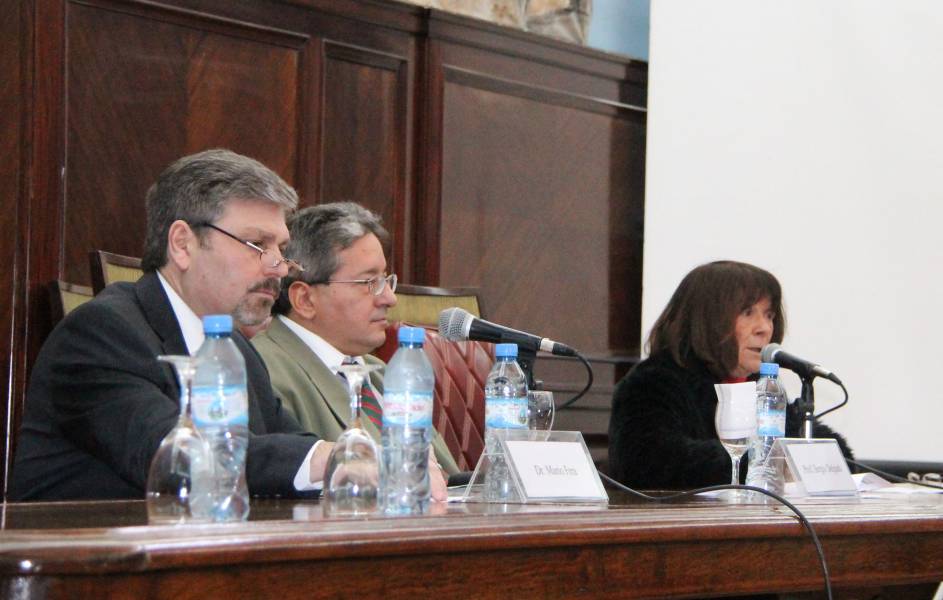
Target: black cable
column 589, row 382
column 802, row 518
column 887, row 475
column 837, row 406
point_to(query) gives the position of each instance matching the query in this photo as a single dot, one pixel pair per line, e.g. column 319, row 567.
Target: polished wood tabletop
column 630, row 549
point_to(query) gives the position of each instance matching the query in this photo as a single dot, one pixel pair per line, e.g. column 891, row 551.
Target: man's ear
column 180, row 243
column 303, row 299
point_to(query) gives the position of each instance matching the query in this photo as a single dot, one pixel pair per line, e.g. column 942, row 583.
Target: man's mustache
column 272, row 284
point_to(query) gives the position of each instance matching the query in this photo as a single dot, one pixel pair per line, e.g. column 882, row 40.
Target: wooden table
column 632, row 550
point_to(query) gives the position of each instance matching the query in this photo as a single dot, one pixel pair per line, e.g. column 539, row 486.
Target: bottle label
column 215, row 406
column 771, row 423
column 407, row 408
column 505, row 413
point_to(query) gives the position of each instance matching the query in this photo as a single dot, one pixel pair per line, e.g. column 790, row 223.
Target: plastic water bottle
column 407, row 427
column 770, row 426
column 220, row 409
column 505, row 408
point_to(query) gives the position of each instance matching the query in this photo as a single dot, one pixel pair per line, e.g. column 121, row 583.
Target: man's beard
column 253, row 310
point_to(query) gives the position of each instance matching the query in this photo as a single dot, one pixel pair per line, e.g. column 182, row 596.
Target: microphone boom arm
column 526, row 357
column 806, row 404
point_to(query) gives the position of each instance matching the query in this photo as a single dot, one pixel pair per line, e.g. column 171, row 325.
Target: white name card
column 819, row 466
column 554, row 470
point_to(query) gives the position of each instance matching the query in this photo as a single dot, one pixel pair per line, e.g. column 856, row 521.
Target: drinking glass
column 180, row 478
column 540, row 410
column 735, row 421
column 351, row 479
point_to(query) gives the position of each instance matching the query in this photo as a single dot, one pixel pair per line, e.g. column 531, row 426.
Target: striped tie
column 369, row 405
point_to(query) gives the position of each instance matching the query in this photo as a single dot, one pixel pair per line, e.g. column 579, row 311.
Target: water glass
column 180, row 477
column 351, row 479
column 540, row 410
column 735, row 422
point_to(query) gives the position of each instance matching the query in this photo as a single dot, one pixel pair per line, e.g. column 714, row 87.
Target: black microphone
column 458, row 325
column 773, row 353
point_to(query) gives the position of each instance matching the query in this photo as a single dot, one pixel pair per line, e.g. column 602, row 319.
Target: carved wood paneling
column 692, row 548
column 529, row 205
column 497, row 158
column 13, row 65
column 185, row 88
column 364, row 139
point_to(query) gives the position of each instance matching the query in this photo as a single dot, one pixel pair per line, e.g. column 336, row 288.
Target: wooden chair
column 108, row 268
column 421, row 305
column 65, row 297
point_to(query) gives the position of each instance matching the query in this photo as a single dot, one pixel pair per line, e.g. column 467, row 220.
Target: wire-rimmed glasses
column 268, row 258
column 375, row 285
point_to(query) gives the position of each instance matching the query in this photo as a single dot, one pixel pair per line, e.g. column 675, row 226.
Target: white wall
column 807, row 137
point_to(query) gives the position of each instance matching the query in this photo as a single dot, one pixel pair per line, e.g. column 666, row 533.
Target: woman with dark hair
column 661, row 432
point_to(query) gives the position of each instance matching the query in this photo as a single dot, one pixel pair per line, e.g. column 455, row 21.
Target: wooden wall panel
column 365, row 115
column 540, row 199
column 14, row 40
column 528, row 197
column 497, row 158
column 185, row 87
column 626, row 232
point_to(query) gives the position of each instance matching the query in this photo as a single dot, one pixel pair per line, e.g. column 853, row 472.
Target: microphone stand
column 806, row 403
column 526, row 357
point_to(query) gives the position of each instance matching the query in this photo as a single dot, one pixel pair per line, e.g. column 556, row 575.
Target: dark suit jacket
column 661, row 430
column 99, row 404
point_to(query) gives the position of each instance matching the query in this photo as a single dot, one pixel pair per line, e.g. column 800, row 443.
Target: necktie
column 369, row 405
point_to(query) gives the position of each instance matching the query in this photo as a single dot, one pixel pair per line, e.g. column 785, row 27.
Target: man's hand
column 438, row 480
column 319, row 460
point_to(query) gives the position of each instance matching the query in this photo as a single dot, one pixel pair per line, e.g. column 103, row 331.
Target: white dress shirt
column 328, row 354
column 192, row 328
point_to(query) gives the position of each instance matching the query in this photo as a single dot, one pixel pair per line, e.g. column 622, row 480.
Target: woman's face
column 754, row 329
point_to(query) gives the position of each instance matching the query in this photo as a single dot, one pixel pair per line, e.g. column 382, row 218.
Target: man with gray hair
column 99, row 403
column 334, row 311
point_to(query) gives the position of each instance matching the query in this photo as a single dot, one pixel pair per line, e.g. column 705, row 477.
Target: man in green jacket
column 334, row 311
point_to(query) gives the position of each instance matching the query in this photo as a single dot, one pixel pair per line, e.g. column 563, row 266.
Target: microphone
column 775, row 354
column 458, row 325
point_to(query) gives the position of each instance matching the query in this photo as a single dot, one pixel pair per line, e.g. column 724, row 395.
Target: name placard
column 819, row 466
column 541, row 467
column 554, row 470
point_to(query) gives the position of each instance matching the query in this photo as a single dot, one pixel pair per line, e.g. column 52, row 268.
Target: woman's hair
column 700, row 318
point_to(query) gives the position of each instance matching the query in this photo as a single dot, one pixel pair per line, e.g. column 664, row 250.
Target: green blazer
column 314, row 394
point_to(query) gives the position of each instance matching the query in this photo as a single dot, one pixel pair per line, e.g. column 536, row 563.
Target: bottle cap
column 505, row 350
column 411, row 335
column 769, row 369
column 217, row 324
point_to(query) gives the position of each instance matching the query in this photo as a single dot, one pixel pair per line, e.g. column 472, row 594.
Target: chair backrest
column 65, row 297
column 422, row 304
column 461, row 369
column 108, row 268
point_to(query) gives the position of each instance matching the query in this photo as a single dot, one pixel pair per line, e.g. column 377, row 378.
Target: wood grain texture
column 365, row 115
column 13, row 93
column 691, row 549
column 414, row 113
column 184, row 89
column 529, row 208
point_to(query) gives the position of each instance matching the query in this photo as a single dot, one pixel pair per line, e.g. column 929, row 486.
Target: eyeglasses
column 269, row 259
column 375, row 285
